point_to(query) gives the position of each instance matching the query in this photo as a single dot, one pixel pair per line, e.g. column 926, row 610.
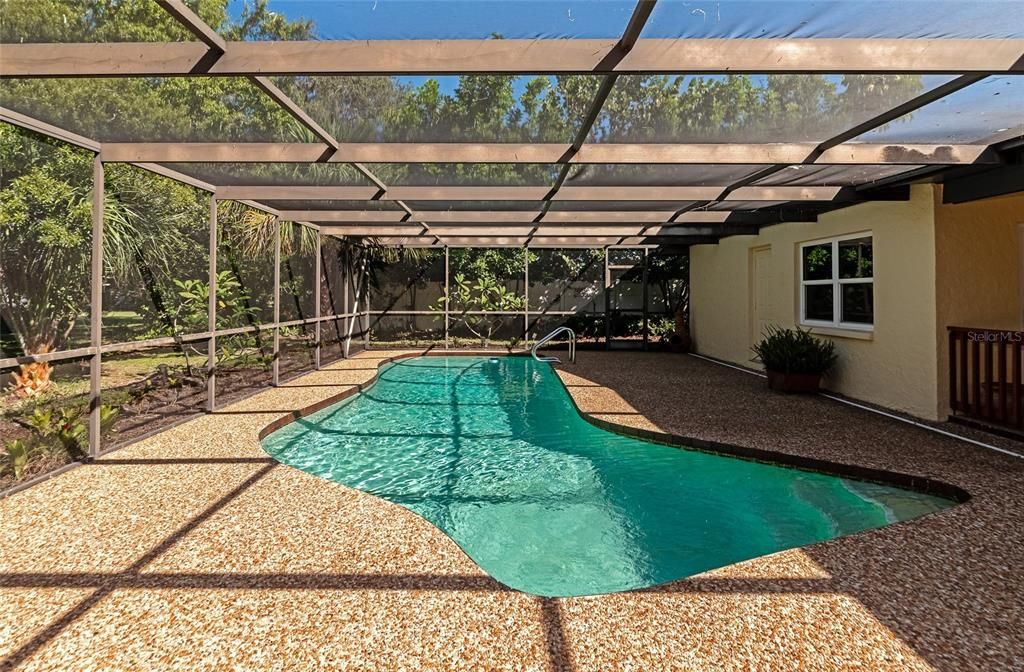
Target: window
column 837, row 283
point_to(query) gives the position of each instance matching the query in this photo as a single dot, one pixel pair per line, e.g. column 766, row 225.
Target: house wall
column 978, row 271
column 897, row 364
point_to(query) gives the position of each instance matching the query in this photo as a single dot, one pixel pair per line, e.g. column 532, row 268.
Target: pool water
column 493, row 452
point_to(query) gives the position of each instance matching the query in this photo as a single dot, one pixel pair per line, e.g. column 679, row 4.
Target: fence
column 621, row 296
column 985, row 374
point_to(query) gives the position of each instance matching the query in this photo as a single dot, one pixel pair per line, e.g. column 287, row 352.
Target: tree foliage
column 45, row 238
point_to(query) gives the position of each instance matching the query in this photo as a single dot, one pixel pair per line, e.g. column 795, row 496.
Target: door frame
column 609, row 269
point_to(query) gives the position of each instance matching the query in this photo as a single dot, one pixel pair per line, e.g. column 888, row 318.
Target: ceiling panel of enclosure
column 152, row 109
column 832, row 175
column 466, row 174
column 748, row 108
column 991, row 107
column 835, row 19
column 606, row 19
column 618, row 174
column 27, row 21
column 451, row 19
column 446, row 108
column 309, row 174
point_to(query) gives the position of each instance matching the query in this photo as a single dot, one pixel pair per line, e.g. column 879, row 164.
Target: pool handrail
column 556, row 332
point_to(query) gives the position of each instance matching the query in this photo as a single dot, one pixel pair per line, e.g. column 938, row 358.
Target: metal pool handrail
column 556, row 332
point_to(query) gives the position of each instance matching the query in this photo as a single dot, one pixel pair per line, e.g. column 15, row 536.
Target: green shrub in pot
column 794, row 359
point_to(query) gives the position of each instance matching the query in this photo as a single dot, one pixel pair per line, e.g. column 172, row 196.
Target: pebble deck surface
column 194, row 550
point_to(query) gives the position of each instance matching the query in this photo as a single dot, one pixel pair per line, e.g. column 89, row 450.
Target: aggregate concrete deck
column 193, row 550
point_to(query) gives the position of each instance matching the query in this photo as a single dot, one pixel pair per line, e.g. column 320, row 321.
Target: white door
column 760, row 291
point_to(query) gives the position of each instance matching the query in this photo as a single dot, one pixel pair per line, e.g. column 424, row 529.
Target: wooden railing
column 985, row 375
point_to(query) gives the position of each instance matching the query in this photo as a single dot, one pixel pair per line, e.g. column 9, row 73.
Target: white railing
column 556, row 332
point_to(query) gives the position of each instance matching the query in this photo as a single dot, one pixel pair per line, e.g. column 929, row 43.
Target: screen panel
column 748, row 108
column 51, row 427
column 447, row 108
column 483, row 279
column 658, row 175
column 406, row 280
column 406, row 330
column 152, row 109
column 298, row 259
column 990, row 107
column 155, row 251
column 455, row 19
column 70, row 21
column 567, row 280
column 152, row 389
column 835, row 19
column 45, row 243
column 466, row 174
column 280, row 174
column 245, row 270
column 805, row 175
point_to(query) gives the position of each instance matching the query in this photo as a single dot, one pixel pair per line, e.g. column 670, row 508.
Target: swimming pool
column 493, row 452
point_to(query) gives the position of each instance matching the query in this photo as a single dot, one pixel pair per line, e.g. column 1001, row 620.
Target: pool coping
column 920, row 484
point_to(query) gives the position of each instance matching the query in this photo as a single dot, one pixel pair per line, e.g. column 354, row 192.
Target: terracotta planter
column 681, row 326
column 680, row 342
column 794, row 382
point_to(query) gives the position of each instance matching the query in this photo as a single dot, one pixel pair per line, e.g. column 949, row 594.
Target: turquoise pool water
column 493, row 452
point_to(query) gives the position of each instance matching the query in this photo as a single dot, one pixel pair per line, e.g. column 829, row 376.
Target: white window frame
column 835, row 282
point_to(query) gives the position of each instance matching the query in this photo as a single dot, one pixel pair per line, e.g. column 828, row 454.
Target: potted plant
column 795, row 360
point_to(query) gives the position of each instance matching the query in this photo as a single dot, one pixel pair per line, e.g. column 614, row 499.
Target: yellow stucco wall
column 978, row 279
column 895, row 366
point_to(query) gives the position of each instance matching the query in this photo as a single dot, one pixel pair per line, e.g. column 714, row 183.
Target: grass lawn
column 129, row 369
column 118, row 326
column 122, row 325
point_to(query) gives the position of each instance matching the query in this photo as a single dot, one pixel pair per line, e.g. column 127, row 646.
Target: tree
column 670, row 273
column 99, row 20
column 164, row 240
column 470, row 300
column 45, row 235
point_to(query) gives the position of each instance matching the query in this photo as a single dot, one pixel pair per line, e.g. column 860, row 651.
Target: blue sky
column 469, row 19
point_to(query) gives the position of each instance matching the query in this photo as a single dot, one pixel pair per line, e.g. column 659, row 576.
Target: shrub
column 468, row 299
column 795, row 351
column 661, row 328
column 68, row 428
column 17, row 457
